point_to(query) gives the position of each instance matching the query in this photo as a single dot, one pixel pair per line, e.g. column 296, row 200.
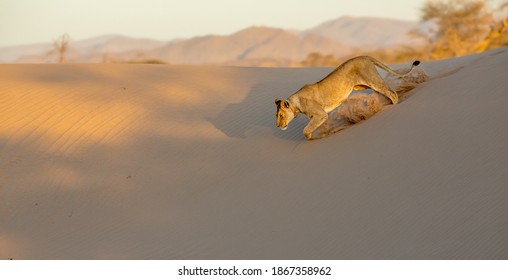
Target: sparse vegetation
column 60, row 47
column 140, row 59
column 319, row 59
column 460, row 27
column 145, row 61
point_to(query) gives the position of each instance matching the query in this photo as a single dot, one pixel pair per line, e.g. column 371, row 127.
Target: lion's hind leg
column 386, row 91
column 376, row 83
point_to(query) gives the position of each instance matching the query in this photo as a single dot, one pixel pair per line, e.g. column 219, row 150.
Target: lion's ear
column 277, row 102
column 286, row 104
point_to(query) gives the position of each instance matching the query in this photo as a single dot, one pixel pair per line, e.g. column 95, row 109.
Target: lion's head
column 285, row 113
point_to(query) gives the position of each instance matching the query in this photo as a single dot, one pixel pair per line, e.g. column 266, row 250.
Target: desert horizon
column 257, row 45
column 431, row 35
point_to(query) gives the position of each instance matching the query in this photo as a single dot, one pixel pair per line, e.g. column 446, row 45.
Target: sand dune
column 185, row 162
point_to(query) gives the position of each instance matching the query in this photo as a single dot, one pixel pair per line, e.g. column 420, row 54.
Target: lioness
column 317, row 100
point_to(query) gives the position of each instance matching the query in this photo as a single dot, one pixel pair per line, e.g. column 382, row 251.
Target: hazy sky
column 34, row 21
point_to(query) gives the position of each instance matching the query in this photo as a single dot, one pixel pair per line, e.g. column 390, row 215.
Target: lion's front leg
column 315, row 122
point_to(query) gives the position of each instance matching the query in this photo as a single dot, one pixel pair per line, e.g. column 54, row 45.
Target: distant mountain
column 252, row 46
column 370, row 32
column 253, row 43
column 116, row 44
column 12, row 54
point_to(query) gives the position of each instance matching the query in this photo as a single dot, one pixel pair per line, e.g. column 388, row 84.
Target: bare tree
column 60, row 47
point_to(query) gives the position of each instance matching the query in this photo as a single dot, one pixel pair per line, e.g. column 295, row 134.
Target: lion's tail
column 384, row 67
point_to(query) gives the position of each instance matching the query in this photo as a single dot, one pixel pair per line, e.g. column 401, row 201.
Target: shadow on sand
column 257, row 110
